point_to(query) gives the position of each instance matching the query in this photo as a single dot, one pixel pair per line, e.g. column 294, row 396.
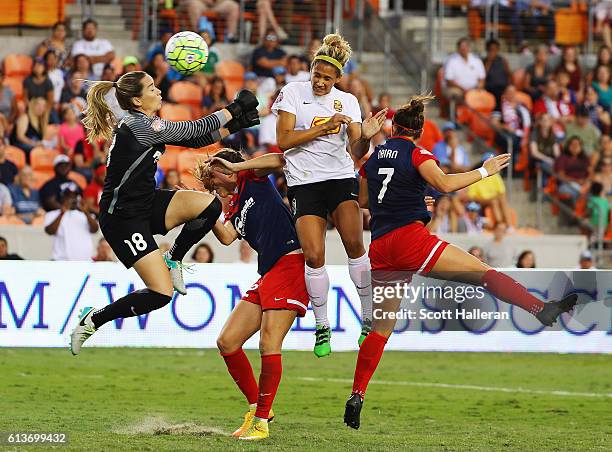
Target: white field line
column 467, row 387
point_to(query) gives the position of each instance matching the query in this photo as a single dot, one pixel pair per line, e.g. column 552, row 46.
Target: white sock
column 359, row 269
column 317, row 284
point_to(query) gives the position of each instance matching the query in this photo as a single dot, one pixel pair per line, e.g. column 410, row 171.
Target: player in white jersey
column 317, row 126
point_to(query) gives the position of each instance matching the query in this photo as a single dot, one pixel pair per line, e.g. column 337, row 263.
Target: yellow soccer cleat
column 248, row 421
column 258, row 430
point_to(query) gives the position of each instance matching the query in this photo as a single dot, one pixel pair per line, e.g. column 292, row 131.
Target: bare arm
column 225, row 233
column 288, row 138
column 262, row 165
column 52, row 228
column 360, row 134
column 106, row 58
column 447, row 183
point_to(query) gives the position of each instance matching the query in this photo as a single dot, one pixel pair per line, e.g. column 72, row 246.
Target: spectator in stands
column 216, row 99
column 541, row 14
column 38, row 84
column 30, row 126
column 55, row 74
column 171, row 180
column 104, row 253
column 207, row 31
column 544, row 144
column 498, row 75
column 8, row 170
column 567, row 96
column 444, row 219
column 93, row 191
column 4, row 254
column 602, row 86
column 498, row 253
column 583, row 128
column 598, row 208
column 280, row 77
column 515, row 121
column 74, row 92
column 130, row 64
column 81, row 63
column 549, row 103
column 450, row 152
column 71, row 131
column 570, row 64
column 71, row 227
column 8, row 105
column 268, row 56
column 491, row 192
column 109, row 74
column 586, row 261
column 229, row 9
column 599, row 116
column 538, row 73
column 99, row 51
column 603, row 175
column 57, row 43
column 463, row 71
column 572, row 167
column 266, row 19
column 6, row 201
column 158, row 70
column 471, row 220
column 203, row 254
column 295, row 72
column 26, row 199
column 603, row 14
column 477, row 252
column 50, row 192
column 526, row 260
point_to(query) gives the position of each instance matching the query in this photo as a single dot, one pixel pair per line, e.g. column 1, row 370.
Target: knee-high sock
column 510, row 291
column 269, row 379
column 241, row 371
column 368, row 358
column 133, row 304
column 359, row 269
column 317, row 284
column 194, row 230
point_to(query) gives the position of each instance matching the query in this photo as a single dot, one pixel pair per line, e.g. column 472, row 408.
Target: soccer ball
column 187, row 52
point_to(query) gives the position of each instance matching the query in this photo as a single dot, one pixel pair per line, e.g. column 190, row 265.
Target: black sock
column 133, row 304
column 194, row 230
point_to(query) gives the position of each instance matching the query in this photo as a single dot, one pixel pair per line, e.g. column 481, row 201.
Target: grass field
column 176, row 399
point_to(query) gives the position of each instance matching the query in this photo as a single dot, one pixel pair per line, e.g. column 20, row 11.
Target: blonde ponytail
column 99, row 119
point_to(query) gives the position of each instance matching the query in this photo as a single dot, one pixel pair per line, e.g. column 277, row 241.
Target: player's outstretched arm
column 262, row 165
column 360, row 134
column 288, row 138
column 447, row 183
column 225, row 233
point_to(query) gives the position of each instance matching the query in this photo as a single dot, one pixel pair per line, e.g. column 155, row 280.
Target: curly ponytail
column 334, row 48
column 410, row 117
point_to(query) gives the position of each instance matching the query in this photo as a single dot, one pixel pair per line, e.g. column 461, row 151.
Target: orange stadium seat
column 570, row 27
column 232, row 72
column 17, row 65
column 16, row 85
column 187, row 93
column 42, row 13
column 40, row 177
column 480, row 100
column 80, row 180
column 15, row 155
column 11, row 13
column 42, row 158
column 431, row 135
column 173, row 112
column 484, row 103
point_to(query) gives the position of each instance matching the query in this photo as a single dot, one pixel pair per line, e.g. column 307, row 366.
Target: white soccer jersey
column 326, row 157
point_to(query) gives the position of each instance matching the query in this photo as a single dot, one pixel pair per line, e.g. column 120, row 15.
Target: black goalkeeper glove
column 245, row 101
column 248, row 119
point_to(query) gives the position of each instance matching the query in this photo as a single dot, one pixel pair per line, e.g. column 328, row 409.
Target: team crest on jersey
column 318, row 120
column 158, row 125
column 337, row 105
column 279, row 98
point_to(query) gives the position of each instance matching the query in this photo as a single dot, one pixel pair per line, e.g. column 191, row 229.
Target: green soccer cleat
column 322, row 346
column 366, row 327
column 83, row 331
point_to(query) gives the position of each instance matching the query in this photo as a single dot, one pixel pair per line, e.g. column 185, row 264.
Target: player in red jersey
column 393, row 184
column 258, row 215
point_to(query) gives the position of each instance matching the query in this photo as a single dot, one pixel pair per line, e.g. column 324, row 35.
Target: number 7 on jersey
column 388, row 172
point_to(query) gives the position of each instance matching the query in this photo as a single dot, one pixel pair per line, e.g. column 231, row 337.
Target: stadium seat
column 40, row 177
column 431, row 135
column 570, row 27
column 169, row 159
column 173, row 112
column 16, row 85
column 41, row 158
column 210, row 150
column 232, row 72
column 483, row 103
column 80, row 180
column 525, row 99
column 480, row 100
column 11, row 220
column 42, row 13
column 186, row 93
column 187, row 159
column 15, row 155
column 17, row 65
column 11, row 14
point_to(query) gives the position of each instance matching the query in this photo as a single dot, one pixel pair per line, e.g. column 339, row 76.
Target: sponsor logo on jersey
column 158, row 125
column 318, row 120
column 240, row 222
column 156, row 156
column 337, row 105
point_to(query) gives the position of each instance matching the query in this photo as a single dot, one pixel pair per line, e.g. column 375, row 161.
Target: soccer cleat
column 258, row 430
column 176, row 273
column 83, row 331
column 248, row 421
column 366, row 327
column 352, row 411
column 553, row 309
column 322, row 346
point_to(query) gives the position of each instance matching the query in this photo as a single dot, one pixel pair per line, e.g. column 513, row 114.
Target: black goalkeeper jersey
column 138, row 143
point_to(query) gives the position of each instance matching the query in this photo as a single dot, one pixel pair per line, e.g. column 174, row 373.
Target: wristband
column 483, row 172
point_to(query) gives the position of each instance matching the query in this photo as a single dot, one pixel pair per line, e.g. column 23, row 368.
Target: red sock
column 241, row 371
column 510, row 291
column 367, row 360
column 269, row 379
